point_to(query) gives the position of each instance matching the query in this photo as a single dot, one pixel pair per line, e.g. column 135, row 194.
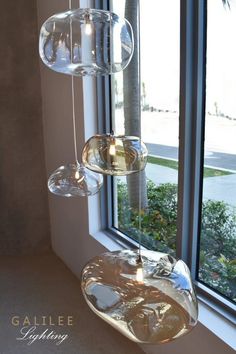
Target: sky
column 160, row 22
column 221, row 57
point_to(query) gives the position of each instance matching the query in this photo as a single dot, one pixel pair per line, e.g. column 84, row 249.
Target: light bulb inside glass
column 77, row 175
column 88, row 26
column 112, row 149
column 88, row 29
column 139, row 274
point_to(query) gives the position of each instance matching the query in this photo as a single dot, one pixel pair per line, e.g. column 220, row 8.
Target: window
column 159, row 126
column 217, row 261
column 181, row 213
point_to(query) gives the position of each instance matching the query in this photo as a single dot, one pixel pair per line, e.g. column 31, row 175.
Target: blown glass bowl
column 86, row 42
column 74, row 180
column 149, row 302
column 114, row 155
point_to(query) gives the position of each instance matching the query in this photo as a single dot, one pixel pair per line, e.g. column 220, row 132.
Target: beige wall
column 24, row 216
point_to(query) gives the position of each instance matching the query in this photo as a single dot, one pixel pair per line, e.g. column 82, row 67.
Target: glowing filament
column 77, row 176
column 112, row 149
column 139, row 274
column 88, row 29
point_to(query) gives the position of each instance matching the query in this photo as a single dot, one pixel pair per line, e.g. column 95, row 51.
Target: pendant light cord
column 139, row 213
column 73, row 93
column 140, row 136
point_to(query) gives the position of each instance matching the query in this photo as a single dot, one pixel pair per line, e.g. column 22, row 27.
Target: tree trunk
column 132, row 108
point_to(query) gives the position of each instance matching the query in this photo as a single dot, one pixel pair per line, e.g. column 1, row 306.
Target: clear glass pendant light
column 114, row 155
column 74, row 179
column 148, row 298
column 102, row 42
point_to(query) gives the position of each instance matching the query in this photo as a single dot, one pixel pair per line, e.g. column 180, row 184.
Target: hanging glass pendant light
column 149, row 299
column 102, row 42
column 74, row 180
column 114, row 155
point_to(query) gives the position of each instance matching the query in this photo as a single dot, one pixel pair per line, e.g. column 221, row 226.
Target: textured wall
column 24, row 219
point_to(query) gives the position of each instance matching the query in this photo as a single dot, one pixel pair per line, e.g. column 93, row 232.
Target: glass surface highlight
column 86, row 42
column 152, row 304
column 74, row 180
column 114, row 155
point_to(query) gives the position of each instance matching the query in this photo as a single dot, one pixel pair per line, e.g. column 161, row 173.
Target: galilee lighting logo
column 32, row 329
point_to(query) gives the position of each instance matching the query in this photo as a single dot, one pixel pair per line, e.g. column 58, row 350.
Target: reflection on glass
column 74, row 180
column 217, row 267
column 159, row 99
column 158, row 308
column 86, row 42
column 114, row 155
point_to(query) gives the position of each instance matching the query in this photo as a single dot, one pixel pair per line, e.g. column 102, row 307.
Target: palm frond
column 226, row 3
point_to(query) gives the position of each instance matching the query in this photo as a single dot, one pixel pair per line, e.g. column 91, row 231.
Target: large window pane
column 217, row 267
column 159, row 53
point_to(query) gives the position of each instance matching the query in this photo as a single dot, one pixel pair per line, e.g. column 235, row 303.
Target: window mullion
column 192, row 111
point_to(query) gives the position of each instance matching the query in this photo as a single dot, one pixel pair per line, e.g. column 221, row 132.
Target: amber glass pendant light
column 114, row 155
column 86, row 42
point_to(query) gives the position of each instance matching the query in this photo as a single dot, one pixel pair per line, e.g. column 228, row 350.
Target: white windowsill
column 217, row 324
column 208, row 317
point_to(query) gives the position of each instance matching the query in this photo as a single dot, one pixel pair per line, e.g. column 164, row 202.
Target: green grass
column 208, row 172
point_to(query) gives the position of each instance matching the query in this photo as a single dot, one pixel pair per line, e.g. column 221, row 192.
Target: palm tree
column 132, row 109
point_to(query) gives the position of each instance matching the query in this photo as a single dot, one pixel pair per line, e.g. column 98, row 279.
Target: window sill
column 217, row 324
column 208, row 317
